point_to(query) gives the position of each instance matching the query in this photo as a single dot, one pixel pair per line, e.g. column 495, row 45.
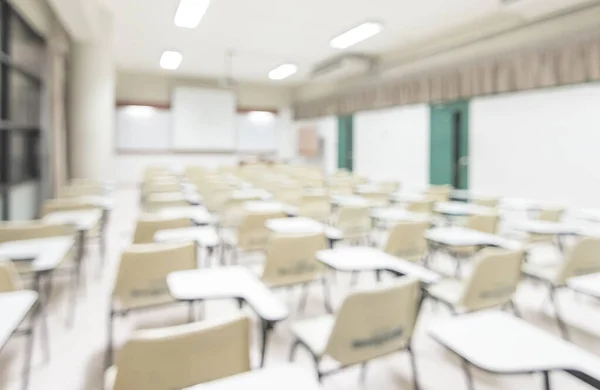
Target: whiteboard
column 203, row 119
column 143, row 128
column 255, row 136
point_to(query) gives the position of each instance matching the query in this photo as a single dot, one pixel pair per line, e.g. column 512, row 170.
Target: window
column 22, row 64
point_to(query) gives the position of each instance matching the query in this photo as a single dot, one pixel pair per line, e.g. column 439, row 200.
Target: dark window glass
column 26, row 47
column 24, row 100
column 22, row 65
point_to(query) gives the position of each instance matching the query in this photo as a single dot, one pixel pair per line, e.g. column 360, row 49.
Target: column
column 92, row 104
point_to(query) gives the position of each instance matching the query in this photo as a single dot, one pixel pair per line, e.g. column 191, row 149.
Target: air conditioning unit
column 343, row 66
column 534, row 9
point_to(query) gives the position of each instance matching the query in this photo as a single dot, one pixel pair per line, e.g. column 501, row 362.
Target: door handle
column 463, row 161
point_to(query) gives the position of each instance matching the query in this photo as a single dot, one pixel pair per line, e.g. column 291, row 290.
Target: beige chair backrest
column 440, row 193
column 486, row 223
column 66, row 204
column 487, row 202
column 292, row 259
column 421, row 206
column 142, row 276
column 148, row 225
column 341, row 189
column 493, row 280
column 9, row 277
column 233, row 212
column 378, row 197
column 582, row 259
column 155, row 205
column 26, row 230
column 342, row 172
column 253, row 235
column 353, row 221
column 389, row 186
column 216, row 198
column 374, row 323
column 185, row 355
column 193, row 172
column 551, row 215
column 406, row 240
column 78, row 190
column 290, row 195
column 161, row 187
column 316, row 207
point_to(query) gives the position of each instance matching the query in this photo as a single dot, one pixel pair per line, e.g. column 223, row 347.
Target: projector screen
column 203, row 119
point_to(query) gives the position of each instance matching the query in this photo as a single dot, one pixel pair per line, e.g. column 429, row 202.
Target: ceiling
column 267, row 33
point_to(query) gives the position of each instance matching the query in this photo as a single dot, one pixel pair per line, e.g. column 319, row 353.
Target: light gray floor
column 77, row 353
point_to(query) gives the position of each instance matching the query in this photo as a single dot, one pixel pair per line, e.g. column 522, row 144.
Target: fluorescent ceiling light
column 357, row 34
column 190, row 13
column 140, row 111
column 261, row 117
column 283, row 71
column 170, row 60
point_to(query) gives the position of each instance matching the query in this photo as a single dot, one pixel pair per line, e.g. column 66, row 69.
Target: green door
column 449, row 144
column 345, row 130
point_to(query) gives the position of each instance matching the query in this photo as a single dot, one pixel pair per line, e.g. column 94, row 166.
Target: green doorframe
column 449, row 149
column 345, row 141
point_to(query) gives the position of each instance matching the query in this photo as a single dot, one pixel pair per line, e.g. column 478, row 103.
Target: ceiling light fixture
column 357, row 34
column 261, row 117
column 190, row 13
column 140, row 111
column 283, row 71
column 170, row 60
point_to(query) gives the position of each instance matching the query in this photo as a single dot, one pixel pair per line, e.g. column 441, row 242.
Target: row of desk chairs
column 15, row 276
column 507, row 260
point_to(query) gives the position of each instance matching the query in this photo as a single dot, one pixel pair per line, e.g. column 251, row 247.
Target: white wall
column 146, row 88
column 393, row 144
column 543, row 145
column 327, row 128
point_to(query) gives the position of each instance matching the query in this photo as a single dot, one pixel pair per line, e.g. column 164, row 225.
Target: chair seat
column 448, row 290
column 546, row 272
column 143, row 302
column 314, row 333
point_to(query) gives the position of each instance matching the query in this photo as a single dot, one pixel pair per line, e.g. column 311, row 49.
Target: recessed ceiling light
column 170, row 60
column 357, row 34
column 261, row 117
column 140, row 111
column 190, row 13
column 283, row 71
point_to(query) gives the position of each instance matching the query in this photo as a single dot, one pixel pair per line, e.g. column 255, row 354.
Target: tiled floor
column 77, row 352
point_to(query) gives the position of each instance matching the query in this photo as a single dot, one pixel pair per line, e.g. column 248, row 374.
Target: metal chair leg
column 468, row 375
column 29, row 353
column 413, row 364
column 303, row 298
column 363, row 372
column 293, row 350
column 514, row 308
column 191, row 311
column 267, row 326
column 326, row 296
column 547, row 384
column 109, row 346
